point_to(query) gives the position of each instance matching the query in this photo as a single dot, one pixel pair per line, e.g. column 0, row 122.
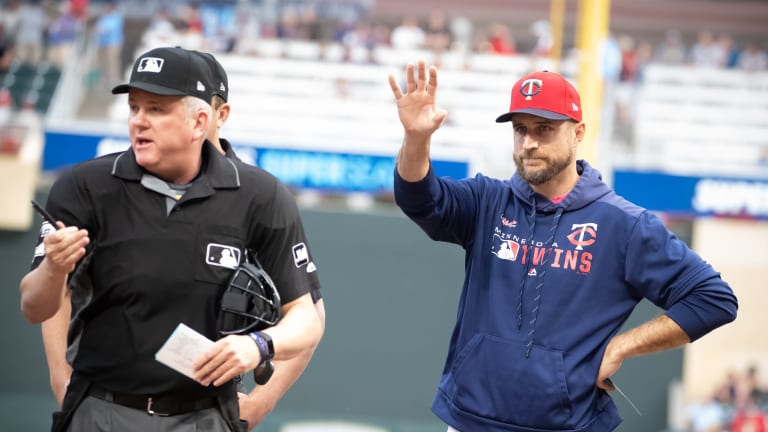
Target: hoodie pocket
column 492, row 378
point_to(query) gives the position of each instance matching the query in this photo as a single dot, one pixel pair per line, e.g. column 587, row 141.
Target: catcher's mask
column 250, row 301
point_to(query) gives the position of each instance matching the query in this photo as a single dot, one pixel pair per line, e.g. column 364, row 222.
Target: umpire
column 142, row 237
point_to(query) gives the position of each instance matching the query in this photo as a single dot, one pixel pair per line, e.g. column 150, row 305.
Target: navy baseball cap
column 220, row 82
column 544, row 94
column 170, row 71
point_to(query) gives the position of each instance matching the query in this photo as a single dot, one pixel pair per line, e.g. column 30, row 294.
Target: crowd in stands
column 37, row 39
column 37, row 30
column 47, row 29
column 711, row 51
column 738, row 404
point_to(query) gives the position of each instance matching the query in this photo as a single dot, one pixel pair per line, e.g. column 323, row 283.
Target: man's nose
column 137, row 118
column 529, row 142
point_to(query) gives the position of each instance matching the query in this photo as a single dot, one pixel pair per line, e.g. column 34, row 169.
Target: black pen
column 46, row 216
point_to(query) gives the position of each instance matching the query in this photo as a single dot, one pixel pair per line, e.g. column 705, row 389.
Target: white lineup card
column 182, row 348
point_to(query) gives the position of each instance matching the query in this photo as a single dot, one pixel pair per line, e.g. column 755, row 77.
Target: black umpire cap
column 171, row 71
column 220, row 81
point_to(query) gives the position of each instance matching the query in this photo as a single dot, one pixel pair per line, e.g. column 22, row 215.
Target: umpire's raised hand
column 43, row 289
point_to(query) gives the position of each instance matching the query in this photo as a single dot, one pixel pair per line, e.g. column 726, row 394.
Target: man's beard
column 553, row 168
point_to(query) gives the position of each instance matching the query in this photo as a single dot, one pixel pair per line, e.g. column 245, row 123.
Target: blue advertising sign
column 331, row 171
column 694, row 196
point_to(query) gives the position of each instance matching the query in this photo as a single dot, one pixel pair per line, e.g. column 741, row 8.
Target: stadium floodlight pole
column 591, row 31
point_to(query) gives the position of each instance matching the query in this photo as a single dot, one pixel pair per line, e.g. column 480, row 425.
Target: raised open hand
column 416, row 107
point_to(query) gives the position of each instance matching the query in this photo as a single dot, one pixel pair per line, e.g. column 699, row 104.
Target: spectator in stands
column 729, row 49
column 705, row 52
column 79, row 9
column 190, row 15
column 544, row 40
column 438, row 35
column 361, row 36
column 629, row 59
column 7, row 52
column 752, row 58
column 749, row 418
column 189, row 28
column 408, row 35
column 727, row 390
column 6, row 107
column 161, row 30
column 288, row 24
column 706, row 416
column 62, row 34
column 461, row 29
column 249, row 32
column 672, row 50
column 9, row 17
column 500, row 40
column 644, row 57
column 611, row 59
column 218, row 17
column 748, row 388
column 335, row 17
column 109, row 43
column 611, row 63
column 29, row 33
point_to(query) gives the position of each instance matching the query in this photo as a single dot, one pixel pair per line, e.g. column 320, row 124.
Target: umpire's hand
column 64, row 248
column 229, row 357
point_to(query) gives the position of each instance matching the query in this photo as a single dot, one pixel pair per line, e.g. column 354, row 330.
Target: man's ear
column 580, row 131
column 222, row 114
column 200, row 126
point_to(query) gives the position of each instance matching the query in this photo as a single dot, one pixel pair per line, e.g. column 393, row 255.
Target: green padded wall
column 391, row 296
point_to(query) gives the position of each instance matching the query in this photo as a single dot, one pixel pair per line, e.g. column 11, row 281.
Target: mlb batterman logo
column 150, row 64
column 220, row 255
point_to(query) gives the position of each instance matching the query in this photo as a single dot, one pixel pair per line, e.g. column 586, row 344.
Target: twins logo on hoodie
column 510, row 246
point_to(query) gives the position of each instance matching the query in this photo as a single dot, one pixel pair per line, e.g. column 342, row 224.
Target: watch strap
column 264, row 344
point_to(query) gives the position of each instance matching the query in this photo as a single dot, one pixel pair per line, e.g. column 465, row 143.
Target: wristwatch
column 264, row 370
column 264, row 343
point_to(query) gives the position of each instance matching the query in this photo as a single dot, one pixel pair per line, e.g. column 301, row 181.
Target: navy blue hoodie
column 546, row 287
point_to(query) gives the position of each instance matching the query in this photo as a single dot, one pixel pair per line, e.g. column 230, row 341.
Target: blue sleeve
column 444, row 208
column 667, row 272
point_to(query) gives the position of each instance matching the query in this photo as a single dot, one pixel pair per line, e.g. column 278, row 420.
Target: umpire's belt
column 161, row 405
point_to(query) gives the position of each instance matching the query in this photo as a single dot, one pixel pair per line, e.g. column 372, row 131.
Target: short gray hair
column 195, row 104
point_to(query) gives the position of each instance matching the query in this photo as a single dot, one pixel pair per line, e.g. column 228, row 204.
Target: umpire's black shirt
column 157, row 262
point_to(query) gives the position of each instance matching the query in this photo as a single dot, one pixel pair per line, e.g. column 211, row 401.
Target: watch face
column 271, row 347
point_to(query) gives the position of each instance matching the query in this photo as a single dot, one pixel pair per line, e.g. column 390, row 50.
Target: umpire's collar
column 220, row 172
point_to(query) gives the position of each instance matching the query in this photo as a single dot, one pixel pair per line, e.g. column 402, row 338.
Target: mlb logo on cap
column 150, row 64
column 171, row 71
column 544, row 94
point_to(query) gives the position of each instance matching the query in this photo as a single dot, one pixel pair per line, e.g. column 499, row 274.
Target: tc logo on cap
column 150, row 64
column 530, row 87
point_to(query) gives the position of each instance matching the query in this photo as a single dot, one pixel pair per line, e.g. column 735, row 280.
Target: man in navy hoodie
column 555, row 263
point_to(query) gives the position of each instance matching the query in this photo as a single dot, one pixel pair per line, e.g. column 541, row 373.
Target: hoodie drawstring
column 540, row 278
column 532, row 224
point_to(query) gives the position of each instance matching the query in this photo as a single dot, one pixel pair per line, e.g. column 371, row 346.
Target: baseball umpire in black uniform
column 148, row 237
column 262, row 399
